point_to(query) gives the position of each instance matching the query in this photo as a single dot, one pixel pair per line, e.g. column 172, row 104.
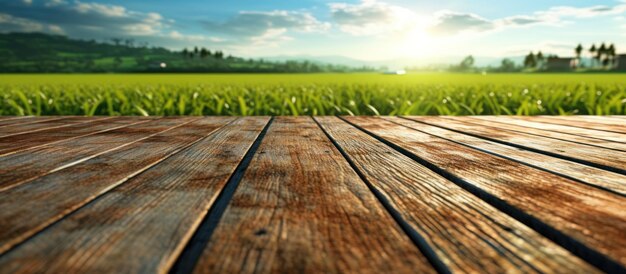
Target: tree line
column 603, row 56
column 203, row 53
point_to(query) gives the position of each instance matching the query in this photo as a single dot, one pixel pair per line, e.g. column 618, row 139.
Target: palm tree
column 579, row 51
column 592, row 51
column 601, row 52
column 611, row 53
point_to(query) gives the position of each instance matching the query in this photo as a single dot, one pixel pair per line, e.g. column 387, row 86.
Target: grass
column 313, row 94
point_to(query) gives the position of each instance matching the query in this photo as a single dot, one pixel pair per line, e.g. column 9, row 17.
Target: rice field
column 313, row 94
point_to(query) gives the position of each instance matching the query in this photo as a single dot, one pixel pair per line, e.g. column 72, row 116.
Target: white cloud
column 56, row 29
column 11, row 23
column 450, row 23
column 576, row 12
column 255, row 23
column 53, row 3
column 371, row 17
column 106, row 10
column 27, row 2
column 265, row 28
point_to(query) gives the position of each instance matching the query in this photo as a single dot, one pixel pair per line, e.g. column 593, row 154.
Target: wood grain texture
column 528, row 122
column 609, row 159
column 13, row 120
column 468, row 234
column 15, row 143
column 583, row 214
column 5, row 118
column 143, row 224
column 543, row 133
column 30, row 207
column 44, row 124
column 602, row 119
column 21, row 167
column 575, row 121
column 590, row 175
column 300, row 208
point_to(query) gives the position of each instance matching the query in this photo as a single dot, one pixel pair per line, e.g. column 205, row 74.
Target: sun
column 417, row 43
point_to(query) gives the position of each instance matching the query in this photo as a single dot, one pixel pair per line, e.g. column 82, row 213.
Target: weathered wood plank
column 143, row 224
column 528, row 122
column 28, row 208
column 16, row 129
column 599, row 157
column 493, row 123
column 585, row 220
column 575, row 122
column 596, row 119
column 24, row 166
column 300, row 208
column 15, row 143
column 468, row 234
column 13, row 120
column 4, row 118
column 593, row 176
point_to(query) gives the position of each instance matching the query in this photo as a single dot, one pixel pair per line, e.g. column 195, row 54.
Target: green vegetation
column 312, row 94
column 38, row 52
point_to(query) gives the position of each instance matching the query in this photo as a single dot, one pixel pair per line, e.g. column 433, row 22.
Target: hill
column 38, row 52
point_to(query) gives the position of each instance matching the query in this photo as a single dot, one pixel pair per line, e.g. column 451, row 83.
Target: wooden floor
column 317, row 195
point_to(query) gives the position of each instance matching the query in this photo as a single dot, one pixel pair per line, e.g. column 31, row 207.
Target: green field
column 312, row 94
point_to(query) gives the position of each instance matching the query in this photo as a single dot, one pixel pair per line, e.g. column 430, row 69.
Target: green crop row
column 310, row 98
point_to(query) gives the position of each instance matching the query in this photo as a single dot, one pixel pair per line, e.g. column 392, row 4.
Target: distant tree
column 203, row 53
column 116, row 41
column 467, row 63
column 540, row 60
column 606, row 61
column 195, row 50
column 611, row 52
column 507, row 65
column 530, row 60
column 185, row 52
column 601, row 52
column 579, row 51
column 219, row 54
column 592, row 51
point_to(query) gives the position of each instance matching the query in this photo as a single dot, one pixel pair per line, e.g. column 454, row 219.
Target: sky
column 360, row 29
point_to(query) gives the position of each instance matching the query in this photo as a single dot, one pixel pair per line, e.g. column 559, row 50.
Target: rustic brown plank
column 593, row 176
column 576, row 122
column 597, row 119
column 528, row 122
column 46, row 124
column 468, row 234
column 300, row 208
column 24, row 166
column 12, row 120
column 142, row 225
column 543, row 133
column 585, row 220
column 28, row 208
column 4, row 118
column 15, row 143
column 599, row 157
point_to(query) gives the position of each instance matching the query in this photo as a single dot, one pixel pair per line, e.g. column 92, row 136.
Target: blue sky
column 364, row 29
